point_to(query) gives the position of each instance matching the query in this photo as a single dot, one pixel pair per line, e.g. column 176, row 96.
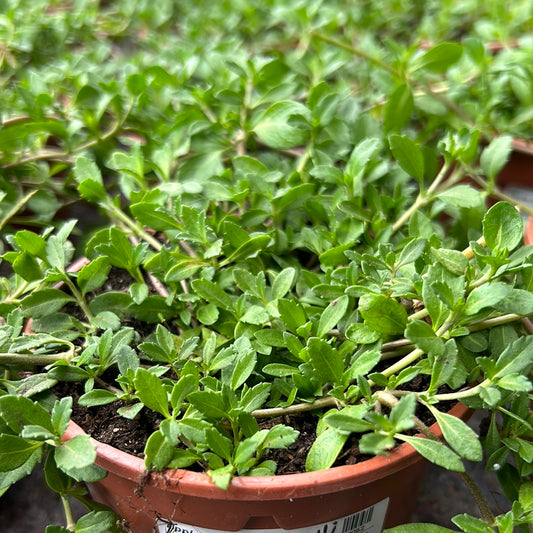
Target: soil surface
column 106, row 425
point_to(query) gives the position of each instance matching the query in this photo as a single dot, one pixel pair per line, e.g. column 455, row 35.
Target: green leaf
column 461, row 196
column 10, row 477
column 280, row 436
column 361, row 155
column 422, row 336
column 212, row 293
column 459, row 436
column 255, row 397
column 525, row 496
column 27, row 267
column 185, row 385
column 209, row 403
column 221, row 477
column 364, row 363
column 274, row 127
column 31, row 242
column 106, row 320
column 151, row 215
column 18, row 411
column 151, row 391
column 75, row 453
column 138, row 292
column 158, row 452
column 96, row 522
column 270, row 337
column 487, row 295
column 515, row 382
column 452, row 260
column 89, row 178
column 409, row 155
column 383, row 314
column 56, row 255
column 55, row 478
column 518, row 301
column 495, row 156
column 61, row 415
column 257, row 315
column 325, row 450
column 471, row 524
column 219, row 444
column 44, row 302
column 250, row 248
column 243, row 369
column 97, row 397
column 517, row 358
column 398, row 109
column 375, row 443
column 280, row 370
column 411, row 251
column 440, row 58
column 436, row 452
column 207, row 314
column 443, row 365
column 350, row 419
column 331, row 315
column 361, row 333
column 327, row 361
column 15, row 451
column 93, row 275
column 503, row 228
column 401, row 415
column 283, row 283
column 292, row 314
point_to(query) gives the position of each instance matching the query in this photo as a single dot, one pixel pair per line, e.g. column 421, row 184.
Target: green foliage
column 289, row 221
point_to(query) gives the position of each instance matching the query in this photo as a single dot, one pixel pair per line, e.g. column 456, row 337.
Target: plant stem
column 19, row 205
column 495, row 321
column 327, row 401
column 483, row 506
column 497, row 193
column 424, row 197
column 79, row 298
column 459, row 395
column 20, row 359
column 133, row 226
column 358, row 52
column 452, row 106
column 61, row 155
column 486, row 513
column 71, row 523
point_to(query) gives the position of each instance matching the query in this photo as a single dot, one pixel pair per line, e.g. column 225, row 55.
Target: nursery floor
column 28, row 507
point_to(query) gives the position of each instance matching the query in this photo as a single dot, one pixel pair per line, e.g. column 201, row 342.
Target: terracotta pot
column 519, row 169
column 528, row 234
column 380, row 492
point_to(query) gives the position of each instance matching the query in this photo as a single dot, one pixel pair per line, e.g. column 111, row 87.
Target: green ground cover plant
column 285, row 197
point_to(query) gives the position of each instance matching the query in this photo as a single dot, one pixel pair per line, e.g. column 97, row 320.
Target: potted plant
column 278, row 257
column 268, row 306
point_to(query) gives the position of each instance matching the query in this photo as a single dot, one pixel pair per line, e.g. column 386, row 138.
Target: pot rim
column 283, row 486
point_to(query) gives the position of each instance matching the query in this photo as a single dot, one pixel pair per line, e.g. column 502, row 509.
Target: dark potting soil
column 105, row 425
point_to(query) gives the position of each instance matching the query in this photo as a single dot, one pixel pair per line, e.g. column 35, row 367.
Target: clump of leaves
column 290, row 243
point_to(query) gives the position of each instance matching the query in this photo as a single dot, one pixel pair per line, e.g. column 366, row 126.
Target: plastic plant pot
column 377, row 493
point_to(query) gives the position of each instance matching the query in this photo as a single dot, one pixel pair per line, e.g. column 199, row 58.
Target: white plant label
column 369, row 520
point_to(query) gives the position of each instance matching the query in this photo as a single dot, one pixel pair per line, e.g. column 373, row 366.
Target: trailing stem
column 21, row 359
